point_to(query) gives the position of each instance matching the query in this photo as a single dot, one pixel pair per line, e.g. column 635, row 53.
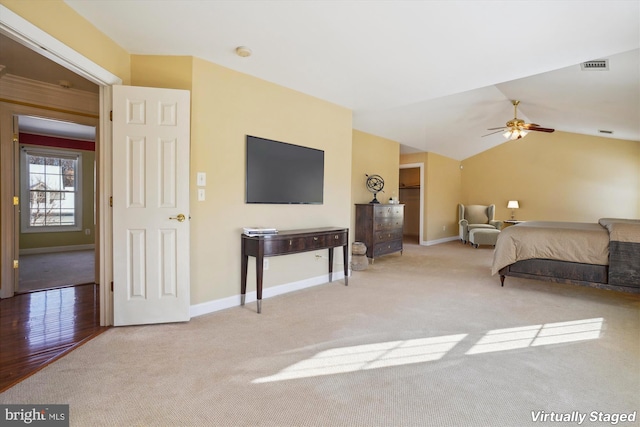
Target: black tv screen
column 283, row 173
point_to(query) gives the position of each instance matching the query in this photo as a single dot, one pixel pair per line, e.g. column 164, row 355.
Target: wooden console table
column 290, row 242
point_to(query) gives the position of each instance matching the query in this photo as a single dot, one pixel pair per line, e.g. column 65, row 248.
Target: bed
column 605, row 254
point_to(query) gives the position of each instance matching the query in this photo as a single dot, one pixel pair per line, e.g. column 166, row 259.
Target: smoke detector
column 243, row 51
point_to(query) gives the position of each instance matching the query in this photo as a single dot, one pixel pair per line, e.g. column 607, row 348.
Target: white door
column 150, row 205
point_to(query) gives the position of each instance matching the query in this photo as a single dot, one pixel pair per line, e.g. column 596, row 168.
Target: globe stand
column 375, row 184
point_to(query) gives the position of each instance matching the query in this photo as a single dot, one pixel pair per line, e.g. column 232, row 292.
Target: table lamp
column 513, row 205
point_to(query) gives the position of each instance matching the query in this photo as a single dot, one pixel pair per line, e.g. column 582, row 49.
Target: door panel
column 150, row 193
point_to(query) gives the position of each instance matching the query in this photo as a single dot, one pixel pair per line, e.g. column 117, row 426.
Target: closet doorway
column 411, row 186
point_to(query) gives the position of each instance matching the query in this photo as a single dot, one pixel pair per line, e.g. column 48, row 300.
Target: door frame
column 27, row 34
column 421, row 240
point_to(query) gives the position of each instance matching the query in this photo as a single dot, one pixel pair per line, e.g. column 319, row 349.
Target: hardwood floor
column 39, row 327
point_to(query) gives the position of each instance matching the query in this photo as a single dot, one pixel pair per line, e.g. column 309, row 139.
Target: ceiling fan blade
column 492, row 133
column 503, row 127
column 530, row 125
column 539, row 129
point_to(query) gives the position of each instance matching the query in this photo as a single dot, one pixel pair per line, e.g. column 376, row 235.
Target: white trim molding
column 234, row 301
column 49, row 95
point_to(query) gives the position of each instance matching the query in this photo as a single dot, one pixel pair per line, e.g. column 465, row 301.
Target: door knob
column 180, row 217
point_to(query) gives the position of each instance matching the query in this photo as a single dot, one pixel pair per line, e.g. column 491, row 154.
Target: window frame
column 25, row 199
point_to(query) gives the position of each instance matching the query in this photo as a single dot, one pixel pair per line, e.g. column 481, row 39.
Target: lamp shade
column 513, row 204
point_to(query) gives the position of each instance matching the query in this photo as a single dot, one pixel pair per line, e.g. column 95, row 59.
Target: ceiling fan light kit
column 516, row 128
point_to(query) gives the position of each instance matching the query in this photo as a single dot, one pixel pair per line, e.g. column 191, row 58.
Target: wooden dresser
column 379, row 227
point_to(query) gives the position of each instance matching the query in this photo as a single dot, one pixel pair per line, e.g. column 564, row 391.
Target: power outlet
column 265, row 263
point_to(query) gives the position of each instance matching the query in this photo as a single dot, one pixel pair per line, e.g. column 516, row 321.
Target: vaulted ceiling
column 432, row 75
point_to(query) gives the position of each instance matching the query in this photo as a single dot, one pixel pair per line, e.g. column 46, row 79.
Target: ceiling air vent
column 600, row 64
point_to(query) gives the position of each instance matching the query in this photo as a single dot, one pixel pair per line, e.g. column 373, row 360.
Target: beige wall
column 372, row 155
column 226, row 106
column 441, row 194
column 60, row 21
column 558, row 177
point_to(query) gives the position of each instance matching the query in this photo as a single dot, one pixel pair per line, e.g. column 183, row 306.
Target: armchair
column 476, row 216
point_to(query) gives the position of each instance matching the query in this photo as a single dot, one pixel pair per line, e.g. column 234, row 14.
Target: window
column 51, row 198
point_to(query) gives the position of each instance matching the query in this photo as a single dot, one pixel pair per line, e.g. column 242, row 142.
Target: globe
column 375, row 184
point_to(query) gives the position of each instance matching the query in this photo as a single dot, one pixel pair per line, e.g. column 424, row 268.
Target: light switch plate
column 201, row 180
column 200, row 194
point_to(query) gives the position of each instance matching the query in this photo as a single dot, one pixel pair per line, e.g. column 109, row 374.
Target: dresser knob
column 290, row 242
column 315, row 238
column 336, row 237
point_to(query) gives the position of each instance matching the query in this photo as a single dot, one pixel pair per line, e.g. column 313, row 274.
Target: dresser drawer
column 385, row 224
column 385, row 236
column 387, row 247
column 388, row 212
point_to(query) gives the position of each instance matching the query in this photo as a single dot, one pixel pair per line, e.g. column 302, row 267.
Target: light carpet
column 427, row 338
column 56, row 269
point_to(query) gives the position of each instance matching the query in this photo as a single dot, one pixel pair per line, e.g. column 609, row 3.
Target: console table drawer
column 337, row 239
column 284, row 246
column 316, row 242
column 280, row 246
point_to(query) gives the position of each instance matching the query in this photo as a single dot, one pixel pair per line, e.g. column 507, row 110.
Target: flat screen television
column 282, row 173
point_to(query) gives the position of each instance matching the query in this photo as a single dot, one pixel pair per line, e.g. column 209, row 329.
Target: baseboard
column 234, row 301
column 438, row 241
column 54, row 249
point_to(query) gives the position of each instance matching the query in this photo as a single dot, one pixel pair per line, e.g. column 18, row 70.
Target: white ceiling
column 432, row 75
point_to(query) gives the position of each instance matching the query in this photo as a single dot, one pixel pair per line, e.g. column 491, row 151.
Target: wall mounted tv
column 282, row 173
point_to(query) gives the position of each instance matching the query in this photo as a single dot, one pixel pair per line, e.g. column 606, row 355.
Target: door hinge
column 111, row 115
column 16, row 263
column 16, row 200
column 111, row 201
column 15, row 137
column 111, row 286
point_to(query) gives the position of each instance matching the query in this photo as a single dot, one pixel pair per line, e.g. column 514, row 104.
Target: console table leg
column 243, row 276
column 259, row 273
column 345, row 251
column 330, row 264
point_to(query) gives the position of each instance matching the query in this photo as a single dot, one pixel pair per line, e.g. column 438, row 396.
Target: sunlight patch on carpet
column 420, row 350
column 536, row 335
column 368, row 356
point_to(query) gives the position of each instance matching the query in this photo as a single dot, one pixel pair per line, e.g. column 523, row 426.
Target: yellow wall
column 170, row 72
column 441, row 194
column 373, row 155
column 557, row 177
column 60, row 21
column 227, row 106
